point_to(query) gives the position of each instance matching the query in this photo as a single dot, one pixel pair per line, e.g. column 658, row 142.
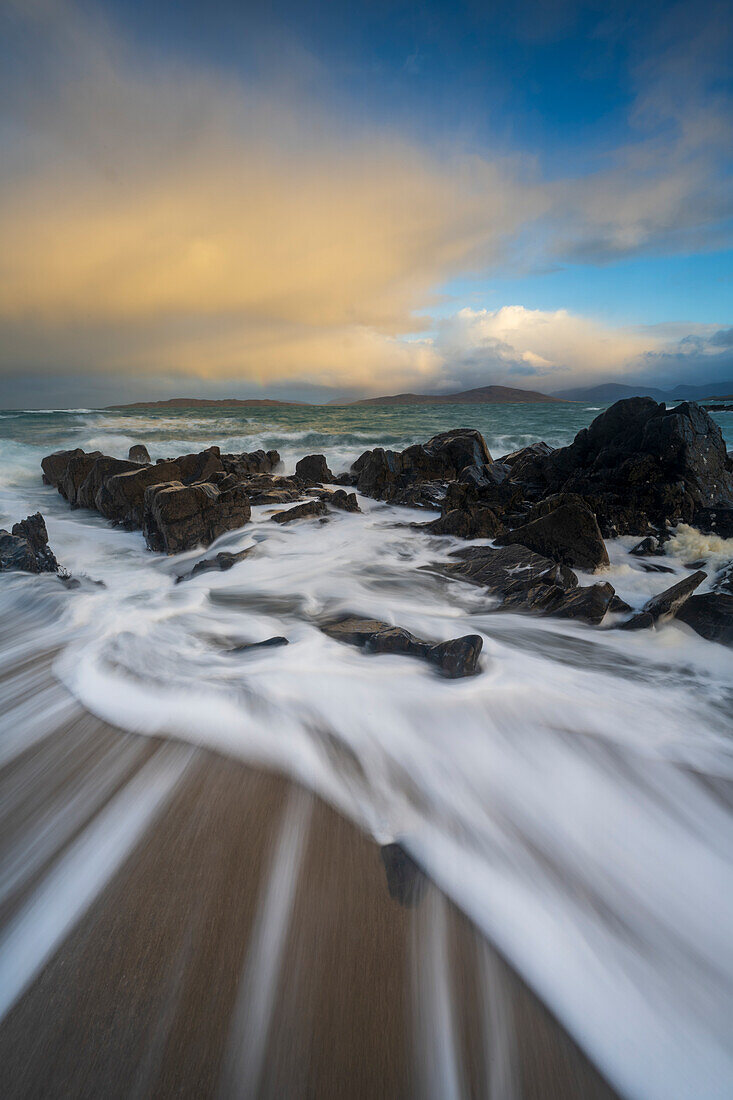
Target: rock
column 221, row 562
column 254, row 462
column 121, row 497
column 485, row 477
column 74, row 475
column 710, row 616
column 653, row 567
column 715, row 521
column 103, row 468
column 619, row 605
column 271, row 489
column 406, row 882
column 345, row 502
column 508, row 570
column 568, row 534
column 180, row 517
column 470, row 522
column 199, row 466
column 648, row 546
column 640, row 466
column 534, row 450
column 26, row 547
column 53, row 465
column 138, row 453
column 455, row 658
column 267, row 643
column 666, row 604
column 309, row 510
column 394, row 476
column 313, row 470
column 589, row 603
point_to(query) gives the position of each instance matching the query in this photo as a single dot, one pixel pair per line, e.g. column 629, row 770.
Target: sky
column 328, row 200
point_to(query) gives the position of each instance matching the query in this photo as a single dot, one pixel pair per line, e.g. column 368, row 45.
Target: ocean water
column 574, row 798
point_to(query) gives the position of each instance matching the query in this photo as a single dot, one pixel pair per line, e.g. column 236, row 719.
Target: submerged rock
column 455, row 658
column 138, row 453
column 710, row 616
column 26, row 548
column 220, row 563
column 567, row 533
column 406, row 881
column 309, row 510
column 267, row 643
column 665, row 605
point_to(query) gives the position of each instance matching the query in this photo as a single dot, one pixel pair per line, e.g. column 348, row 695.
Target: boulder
column 717, row 520
column 103, row 468
column 74, row 475
column 394, row 475
column 588, row 603
column 665, row 605
column 534, row 450
column 485, row 477
column 199, row 466
column 271, row 489
column 121, row 497
column 508, row 570
column 53, row 465
column 26, row 547
column 313, row 470
column 455, row 658
column 639, row 466
column 710, row 616
column 309, row 510
column 345, row 502
column 139, row 453
column 470, row 522
column 648, row 547
column 253, row 462
column 568, row 533
column 179, row 517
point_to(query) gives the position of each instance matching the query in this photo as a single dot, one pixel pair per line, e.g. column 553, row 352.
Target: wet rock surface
column 313, row 470
column 395, row 476
column 455, row 658
column 666, row 604
column 710, row 615
column 25, row 548
column 311, row 509
column 220, row 563
column 180, row 517
column 567, row 533
column 139, row 453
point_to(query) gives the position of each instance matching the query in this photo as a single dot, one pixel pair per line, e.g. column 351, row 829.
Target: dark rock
column 666, row 604
column 393, row 475
column 53, row 465
column 220, row 563
column 313, row 470
column 345, row 502
column 103, row 468
column 654, row 567
column 710, row 616
column 589, row 603
column 139, row 453
column 180, row 517
column 121, row 497
column 470, row 522
column 74, row 475
column 406, row 882
column 714, row 521
column 619, row 605
column 485, row 477
column 455, row 658
column 723, row 581
column 345, row 479
column 647, row 547
column 267, row 643
column 199, row 466
column 254, row 462
column 508, row 570
column 26, row 547
column 271, row 489
column 534, row 450
column 568, row 534
column 310, row 509
column 640, row 466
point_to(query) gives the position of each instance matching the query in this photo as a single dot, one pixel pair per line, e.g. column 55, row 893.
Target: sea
column 574, row 799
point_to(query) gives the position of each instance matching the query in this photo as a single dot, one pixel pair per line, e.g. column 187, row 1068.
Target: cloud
column 155, row 217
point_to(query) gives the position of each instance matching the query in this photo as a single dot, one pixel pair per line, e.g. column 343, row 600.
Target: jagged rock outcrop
column 455, row 658
column 220, row 563
column 394, row 475
column 665, row 605
column 179, row 517
column 639, row 466
column 563, row 529
column 121, row 496
column 53, row 465
column 252, row 462
column 103, row 468
column 74, row 475
column 26, row 548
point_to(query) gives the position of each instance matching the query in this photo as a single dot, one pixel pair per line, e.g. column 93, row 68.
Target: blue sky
column 345, row 197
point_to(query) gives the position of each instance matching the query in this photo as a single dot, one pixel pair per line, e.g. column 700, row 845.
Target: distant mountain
column 609, row 392
column 489, row 395
column 203, row 403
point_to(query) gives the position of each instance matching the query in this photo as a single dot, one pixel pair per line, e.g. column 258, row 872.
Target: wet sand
column 174, row 923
